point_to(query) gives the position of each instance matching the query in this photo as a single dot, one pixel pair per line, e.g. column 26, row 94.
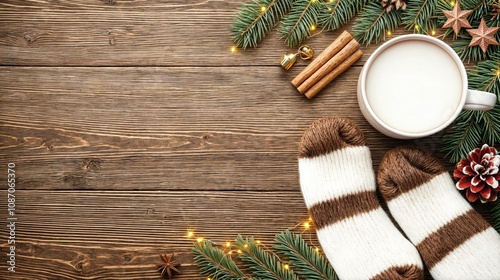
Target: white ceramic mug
column 414, row 86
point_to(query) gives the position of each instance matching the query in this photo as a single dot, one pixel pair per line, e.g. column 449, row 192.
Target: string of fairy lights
column 228, row 248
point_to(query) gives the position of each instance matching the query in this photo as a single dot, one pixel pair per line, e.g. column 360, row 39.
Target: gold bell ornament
column 305, row 52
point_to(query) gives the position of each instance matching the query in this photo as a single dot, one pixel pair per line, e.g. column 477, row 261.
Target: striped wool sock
column 453, row 239
column 338, row 185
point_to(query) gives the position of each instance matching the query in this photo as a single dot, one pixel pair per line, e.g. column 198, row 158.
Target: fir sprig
column 338, row 12
column 467, row 52
column 495, row 214
column 374, row 22
column 214, row 263
column 297, row 25
column 480, row 8
column 261, row 263
column 304, row 259
column 473, row 128
column 256, row 19
column 417, row 16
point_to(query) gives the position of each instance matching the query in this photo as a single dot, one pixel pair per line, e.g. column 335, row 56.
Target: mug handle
column 479, row 100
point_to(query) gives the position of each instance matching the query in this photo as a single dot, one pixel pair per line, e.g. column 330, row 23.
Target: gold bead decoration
column 304, row 52
column 288, row 60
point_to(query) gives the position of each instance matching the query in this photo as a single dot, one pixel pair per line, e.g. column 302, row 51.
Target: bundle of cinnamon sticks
column 332, row 62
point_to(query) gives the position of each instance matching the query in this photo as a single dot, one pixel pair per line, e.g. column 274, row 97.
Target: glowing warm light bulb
column 190, row 234
column 286, row 266
column 239, row 251
column 245, row 246
column 199, row 239
column 228, row 244
column 233, row 49
column 230, row 252
column 262, row 9
column 389, row 33
column 452, row 4
column 310, row 219
column 498, row 73
column 313, row 27
column 258, row 241
column 433, row 32
column 307, row 225
column 417, row 27
column 317, row 249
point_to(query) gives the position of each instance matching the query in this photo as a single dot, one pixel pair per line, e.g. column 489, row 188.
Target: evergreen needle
column 305, row 260
column 214, row 263
column 256, row 19
column 261, row 263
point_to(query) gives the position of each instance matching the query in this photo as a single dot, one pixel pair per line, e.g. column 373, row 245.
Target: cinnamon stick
column 330, row 65
column 332, row 75
column 328, row 53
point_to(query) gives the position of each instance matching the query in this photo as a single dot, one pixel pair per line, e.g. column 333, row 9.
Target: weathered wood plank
column 166, row 128
column 111, row 235
column 133, row 33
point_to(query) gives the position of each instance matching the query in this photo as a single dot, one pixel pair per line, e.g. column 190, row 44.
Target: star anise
column 168, row 266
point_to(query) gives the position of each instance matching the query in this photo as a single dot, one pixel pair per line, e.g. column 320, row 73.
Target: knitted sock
column 338, row 185
column 453, row 239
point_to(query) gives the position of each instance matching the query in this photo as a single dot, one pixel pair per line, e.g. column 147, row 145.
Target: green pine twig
column 297, row 25
column 336, row 13
column 304, row 259
column 495, row 214
column 417, row 16
column 262, row 264
column 461, row 46
column 480, row 7
column 256, row 19
column 214, row 263
column 473, row 128
column 374, row 22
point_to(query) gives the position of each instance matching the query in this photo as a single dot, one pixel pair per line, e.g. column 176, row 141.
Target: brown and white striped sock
column 338, row 185
column 453, row 239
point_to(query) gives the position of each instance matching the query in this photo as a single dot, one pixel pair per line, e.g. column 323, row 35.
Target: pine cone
column 390, row 5
column 478, row 174
column 495, row 10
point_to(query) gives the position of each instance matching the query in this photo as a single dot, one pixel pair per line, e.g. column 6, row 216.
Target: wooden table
column 130, row 122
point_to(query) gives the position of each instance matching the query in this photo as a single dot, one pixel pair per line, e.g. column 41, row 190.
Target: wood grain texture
column 130, row 122
column 184, row 127
column 114, row 234
column 132, row 33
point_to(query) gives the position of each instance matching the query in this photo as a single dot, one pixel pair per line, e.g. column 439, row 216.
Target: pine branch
column 373, row 23
column 480, row 7
column 495, row 214
column 261, row 263
column 461, row 46
column 214, row 263
column 297, row 25
column 417, row 16
column 336, row 13
column 256, row 19
column 304, row 259
column 473, row 128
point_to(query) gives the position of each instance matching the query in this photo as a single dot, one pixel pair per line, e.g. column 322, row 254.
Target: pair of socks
column 359, row 239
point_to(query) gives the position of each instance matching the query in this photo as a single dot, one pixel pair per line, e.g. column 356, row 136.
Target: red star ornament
column 457, row 19
column 483, row 36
